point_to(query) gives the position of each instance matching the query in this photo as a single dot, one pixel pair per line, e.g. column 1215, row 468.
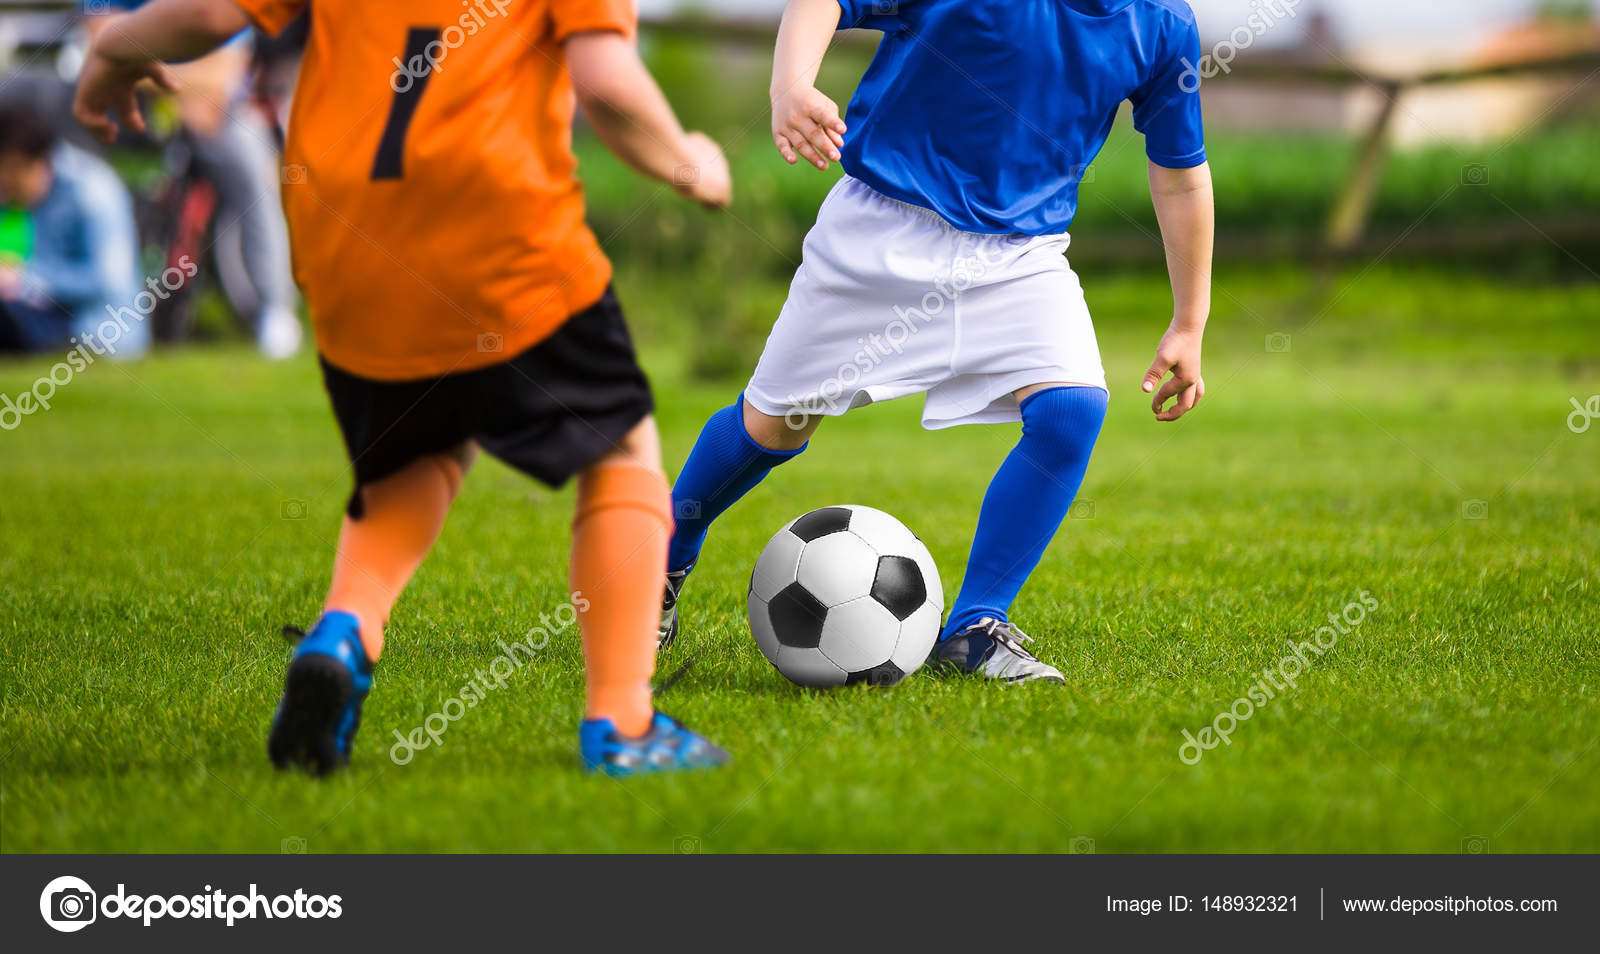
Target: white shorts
column 891, row 300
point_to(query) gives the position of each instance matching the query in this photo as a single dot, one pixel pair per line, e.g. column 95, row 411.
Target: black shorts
column 550, row 411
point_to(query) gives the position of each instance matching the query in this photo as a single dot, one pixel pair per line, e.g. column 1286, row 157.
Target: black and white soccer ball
column 844, row 595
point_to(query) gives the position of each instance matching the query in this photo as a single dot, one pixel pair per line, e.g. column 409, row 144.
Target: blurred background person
column 235, row 148
column 68, row 248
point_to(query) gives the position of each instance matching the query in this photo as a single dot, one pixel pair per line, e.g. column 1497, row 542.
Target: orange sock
column 403, row 514
column 619, row 554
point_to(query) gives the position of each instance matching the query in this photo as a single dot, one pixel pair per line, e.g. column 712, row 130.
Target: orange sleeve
column 583, row 16
column 271, row 15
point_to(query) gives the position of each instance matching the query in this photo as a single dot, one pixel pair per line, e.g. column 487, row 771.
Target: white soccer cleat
column 668, row 631
column 992, row 648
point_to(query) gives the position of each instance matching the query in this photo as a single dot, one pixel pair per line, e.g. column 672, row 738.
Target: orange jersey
column 428, row 180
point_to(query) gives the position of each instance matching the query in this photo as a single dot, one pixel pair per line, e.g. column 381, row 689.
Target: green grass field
column 1407, row 438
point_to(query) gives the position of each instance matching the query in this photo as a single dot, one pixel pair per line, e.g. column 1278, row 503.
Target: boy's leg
column 736, row 449
column 400, row 516
column 619, row 542
column 1025, row 504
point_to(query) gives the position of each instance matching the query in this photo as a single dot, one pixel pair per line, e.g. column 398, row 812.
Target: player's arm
column 1184, row 208
column 804, row 121
column 131, row 47
column 628, row 112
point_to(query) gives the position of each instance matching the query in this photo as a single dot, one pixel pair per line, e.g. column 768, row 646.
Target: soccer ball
column 844, row 595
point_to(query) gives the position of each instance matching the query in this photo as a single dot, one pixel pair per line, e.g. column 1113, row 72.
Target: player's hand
column 1178, row 352
column 806, row 123
column 107, row 85
column 704, row 176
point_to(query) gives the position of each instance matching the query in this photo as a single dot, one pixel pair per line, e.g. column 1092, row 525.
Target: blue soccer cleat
column 667, row 747
column 329, row 676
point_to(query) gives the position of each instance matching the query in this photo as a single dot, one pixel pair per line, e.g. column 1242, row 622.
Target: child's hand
column 1179, row 352
column 106, row 84
column 806, row 122
column 705, row 177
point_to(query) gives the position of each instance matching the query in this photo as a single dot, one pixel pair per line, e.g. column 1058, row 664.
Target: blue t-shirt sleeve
column 1167, row 107
column 871, row 14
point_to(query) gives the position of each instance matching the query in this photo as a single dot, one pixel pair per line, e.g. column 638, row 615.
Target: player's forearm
column 168, row 30
column 803, row 37
column 624, row 106
column 1185, row 209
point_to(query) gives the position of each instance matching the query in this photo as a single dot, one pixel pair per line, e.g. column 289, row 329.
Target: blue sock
column 1027, row 500
column 725, row 464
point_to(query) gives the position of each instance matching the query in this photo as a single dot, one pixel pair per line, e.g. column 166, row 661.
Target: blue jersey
column 989, row 112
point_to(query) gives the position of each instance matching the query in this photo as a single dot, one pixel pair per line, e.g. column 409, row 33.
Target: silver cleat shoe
column 668, row 630
column 992, row 648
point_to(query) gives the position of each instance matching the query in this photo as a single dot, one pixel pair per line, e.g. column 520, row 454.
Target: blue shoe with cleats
column 667, row 747
column 329, row 677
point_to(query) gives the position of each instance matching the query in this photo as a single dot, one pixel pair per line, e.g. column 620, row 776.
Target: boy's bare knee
column 779, row 433
column 640, row 447
column 454, row 463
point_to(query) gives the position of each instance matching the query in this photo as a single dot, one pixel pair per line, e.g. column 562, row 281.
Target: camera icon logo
column 1081, row 510
column 686, row 510
column 1475, row 509
column 1475, row 845
column 1475, row 174
column 1081, row 845
column 68, row 904
column 1279, row 343
column 95, row 8
column 686, row 845
column 491, row 343
column 885, row 8
column 294, row 174
column 292, row 509
column 293, row 845
column 685, row 175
